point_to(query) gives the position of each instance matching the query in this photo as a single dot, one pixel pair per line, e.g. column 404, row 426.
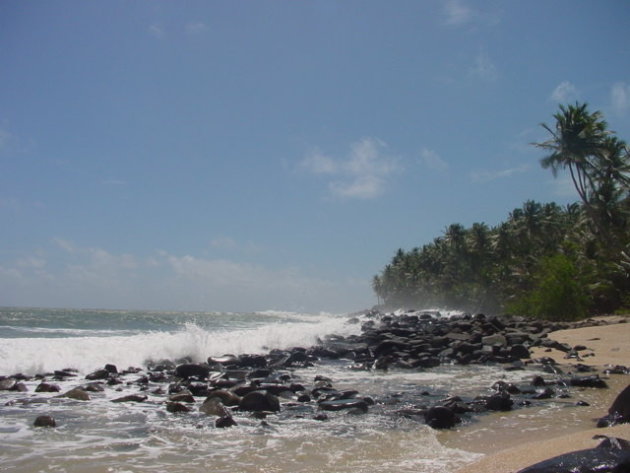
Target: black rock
column 252, row 361
column 98, row 374
column 45, row 421
column 259, row 401
column 441, row 417
column 259, row 373
column 519, row 351
column 612, row 455
column 340, row 404
column 198, row 389
column 228, row 398
column 184, row 396
column 131, row 398
column 538, row 381
column 177, row 407
column 47, row 388
column 78, row 394
column 225, row 421
column 94, row 387
column 498, row 402
column 588, row 381
column 619, row 411
column 190, row 370
column 213, row 407
column 19, row 387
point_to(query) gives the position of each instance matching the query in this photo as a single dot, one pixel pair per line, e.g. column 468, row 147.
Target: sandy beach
column 512, row 449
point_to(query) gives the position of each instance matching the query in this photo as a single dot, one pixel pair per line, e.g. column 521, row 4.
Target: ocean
column 100, row 436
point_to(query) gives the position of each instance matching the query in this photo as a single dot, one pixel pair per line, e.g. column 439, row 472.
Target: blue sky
column 252, row 155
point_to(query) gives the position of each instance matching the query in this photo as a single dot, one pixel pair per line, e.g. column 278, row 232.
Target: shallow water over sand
column 100, row 436
column 544, row 419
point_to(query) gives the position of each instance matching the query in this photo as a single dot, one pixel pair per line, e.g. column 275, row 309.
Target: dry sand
column 506, row 443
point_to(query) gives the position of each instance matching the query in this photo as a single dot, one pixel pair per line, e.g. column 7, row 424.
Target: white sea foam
column 86, row 353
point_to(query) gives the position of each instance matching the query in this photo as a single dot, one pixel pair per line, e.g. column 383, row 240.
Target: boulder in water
column 498, row 402
column 184, row 396
column 259, row 401
column 441, row 417
column 45, row 421
column 47, row 388
column 98, row 374
column 225, row 421
column 213, row 407
column 78, row 394
column 131, row 398
column 340, row 404
column 176, row 407
column 190, row 370
column 228, row 398
column 6, row 384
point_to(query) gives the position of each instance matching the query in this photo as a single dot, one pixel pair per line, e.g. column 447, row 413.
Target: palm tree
column 576, row 141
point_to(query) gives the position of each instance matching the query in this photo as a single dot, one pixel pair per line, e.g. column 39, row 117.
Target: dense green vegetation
column 544, row 260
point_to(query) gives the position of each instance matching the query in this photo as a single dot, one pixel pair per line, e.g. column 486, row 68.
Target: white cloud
column 565, row 92
column 156, row 30
column 362, row 175
column 196, row 27
column 433, row 160
column 362, row 187
column 620, row 97
column 457, row 13
column 65, row 245
column 319, row 164
column 483, row 68
column 31, row 262
column 220, row 273
column 487, row 176
column 69, row 275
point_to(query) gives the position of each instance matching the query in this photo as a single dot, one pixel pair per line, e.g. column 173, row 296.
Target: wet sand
column 514, row 440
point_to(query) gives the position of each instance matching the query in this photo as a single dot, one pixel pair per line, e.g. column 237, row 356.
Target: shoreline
column 394, row 359
column 509, row 447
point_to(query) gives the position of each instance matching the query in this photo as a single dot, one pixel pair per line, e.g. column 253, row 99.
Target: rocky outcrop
column 612, row 455
column 231, row 387
column 619, row 411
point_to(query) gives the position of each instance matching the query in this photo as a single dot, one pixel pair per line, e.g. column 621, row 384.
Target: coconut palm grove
column 544, row 260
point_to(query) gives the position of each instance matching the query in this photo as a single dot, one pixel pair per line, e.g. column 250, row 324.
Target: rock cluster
column 416, row 340
column 229, row 388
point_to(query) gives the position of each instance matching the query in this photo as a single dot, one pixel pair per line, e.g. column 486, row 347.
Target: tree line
column 544, row 260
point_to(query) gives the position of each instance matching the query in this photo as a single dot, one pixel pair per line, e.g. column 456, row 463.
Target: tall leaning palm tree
column 576, row 141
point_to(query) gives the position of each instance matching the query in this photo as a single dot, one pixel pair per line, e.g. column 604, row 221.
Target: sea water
column 100, row 436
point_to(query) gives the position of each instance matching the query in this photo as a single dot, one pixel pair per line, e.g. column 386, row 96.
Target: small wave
column 85, row 353
column 65, row 331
